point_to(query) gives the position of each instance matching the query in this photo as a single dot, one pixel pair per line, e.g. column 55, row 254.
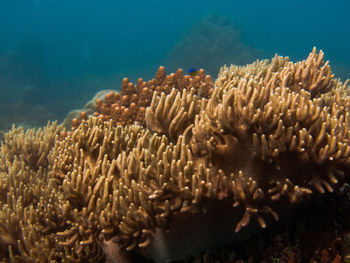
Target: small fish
column 193, row 72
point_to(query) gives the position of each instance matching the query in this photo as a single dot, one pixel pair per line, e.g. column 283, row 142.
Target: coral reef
column 129, row 105
column 170, row 168
column 29, row 216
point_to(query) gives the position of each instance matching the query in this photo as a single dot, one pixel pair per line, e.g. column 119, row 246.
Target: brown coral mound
column 129, row 105
column 270, row 134
column 29, row 217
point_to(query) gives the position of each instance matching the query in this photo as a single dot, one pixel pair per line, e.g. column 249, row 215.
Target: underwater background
column 56, row 54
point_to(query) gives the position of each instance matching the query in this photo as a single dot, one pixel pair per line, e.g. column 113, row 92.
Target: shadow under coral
column 304, row 233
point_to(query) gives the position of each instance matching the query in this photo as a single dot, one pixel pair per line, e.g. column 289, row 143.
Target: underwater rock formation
column 88, row 109
column 23, row 85
column 269, row 136
column 211, row 42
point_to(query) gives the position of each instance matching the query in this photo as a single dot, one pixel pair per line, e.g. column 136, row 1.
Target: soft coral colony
column 174, row 151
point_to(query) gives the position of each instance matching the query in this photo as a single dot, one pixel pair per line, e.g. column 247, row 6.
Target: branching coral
column 270, row 134
column 129, row 106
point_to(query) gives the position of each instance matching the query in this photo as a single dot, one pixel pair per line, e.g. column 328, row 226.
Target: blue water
column 56, row 54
